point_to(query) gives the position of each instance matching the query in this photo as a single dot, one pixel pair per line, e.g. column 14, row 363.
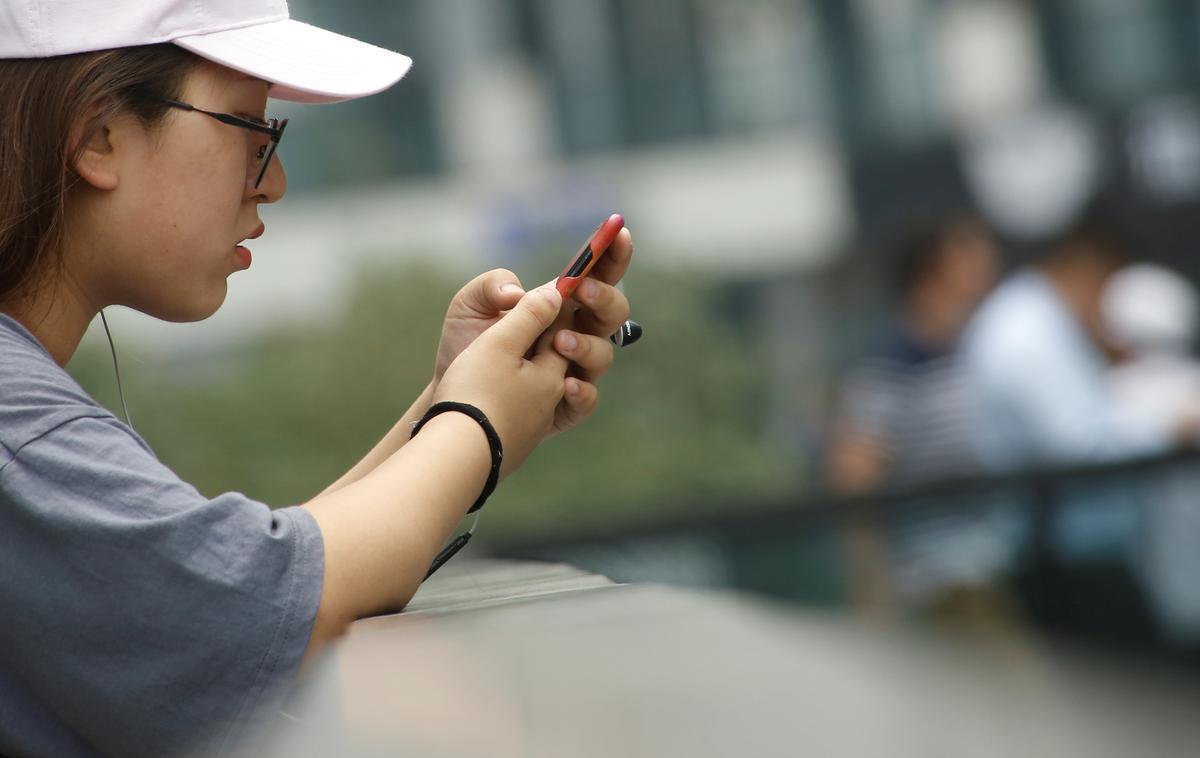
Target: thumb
column 520, row 327
column 490, row 294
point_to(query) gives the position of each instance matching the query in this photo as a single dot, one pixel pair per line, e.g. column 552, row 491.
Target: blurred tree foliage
column 679, row 426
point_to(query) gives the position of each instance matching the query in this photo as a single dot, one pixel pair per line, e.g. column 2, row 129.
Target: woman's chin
column 187, row 310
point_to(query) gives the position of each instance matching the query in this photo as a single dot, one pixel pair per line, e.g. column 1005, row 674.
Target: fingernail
column 510, row 289
column 589, row 288
column 569, row 341
column 572, row 387
column 551, row 295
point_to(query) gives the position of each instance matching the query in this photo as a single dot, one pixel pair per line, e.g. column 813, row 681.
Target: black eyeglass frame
column 273, row 128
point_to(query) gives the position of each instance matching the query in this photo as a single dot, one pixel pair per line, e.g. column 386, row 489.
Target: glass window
column 660, row 61
column 374, row 138
column 1119, row 48
column 763, row 63
column 579, row 46
column 897, row 40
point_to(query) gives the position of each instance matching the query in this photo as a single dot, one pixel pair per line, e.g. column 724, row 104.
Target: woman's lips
column 243, row 253
column 243, row 257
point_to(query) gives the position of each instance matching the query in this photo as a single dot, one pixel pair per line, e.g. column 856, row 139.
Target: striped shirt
column 918, row 404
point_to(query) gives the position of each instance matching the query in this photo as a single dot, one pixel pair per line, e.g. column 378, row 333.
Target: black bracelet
column 489, row 431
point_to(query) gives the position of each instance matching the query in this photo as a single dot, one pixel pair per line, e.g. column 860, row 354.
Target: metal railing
column 792, row 548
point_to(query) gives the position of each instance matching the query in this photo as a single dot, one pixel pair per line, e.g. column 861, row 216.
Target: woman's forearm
column 382, row 531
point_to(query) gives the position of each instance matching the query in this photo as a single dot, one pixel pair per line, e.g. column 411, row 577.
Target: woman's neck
column 58, row 315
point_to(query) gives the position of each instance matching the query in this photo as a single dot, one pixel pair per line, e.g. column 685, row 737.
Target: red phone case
column 587, row 256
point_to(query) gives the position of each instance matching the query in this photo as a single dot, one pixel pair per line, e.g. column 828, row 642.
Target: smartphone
column 587, row 256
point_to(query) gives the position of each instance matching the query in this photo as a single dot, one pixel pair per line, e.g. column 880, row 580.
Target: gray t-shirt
column 137, row 617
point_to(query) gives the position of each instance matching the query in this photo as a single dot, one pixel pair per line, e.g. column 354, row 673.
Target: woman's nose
column 274, row 182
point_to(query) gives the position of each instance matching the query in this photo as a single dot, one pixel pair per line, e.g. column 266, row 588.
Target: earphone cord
column 116, row 369
column 458, row 543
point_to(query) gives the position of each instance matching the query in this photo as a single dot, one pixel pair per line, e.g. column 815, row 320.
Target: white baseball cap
column 302, row 62
column 1150, row 307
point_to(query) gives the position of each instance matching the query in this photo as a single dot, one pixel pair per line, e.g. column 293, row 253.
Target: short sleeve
column 147, row 618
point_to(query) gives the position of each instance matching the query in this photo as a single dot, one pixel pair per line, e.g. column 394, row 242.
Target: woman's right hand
column 519, row 394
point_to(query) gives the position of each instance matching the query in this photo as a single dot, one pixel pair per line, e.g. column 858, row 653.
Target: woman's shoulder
column 36, row 394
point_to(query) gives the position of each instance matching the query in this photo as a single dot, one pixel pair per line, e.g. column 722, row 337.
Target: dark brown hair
column 922, row 251
column 43, row 104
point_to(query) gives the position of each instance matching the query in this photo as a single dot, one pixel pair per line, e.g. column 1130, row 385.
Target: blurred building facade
column 503, row 80
column 763, row 137
column 516, row 84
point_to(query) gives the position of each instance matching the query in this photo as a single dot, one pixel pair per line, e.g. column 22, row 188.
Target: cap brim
column 304, row 63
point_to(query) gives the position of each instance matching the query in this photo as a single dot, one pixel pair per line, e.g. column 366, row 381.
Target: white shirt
column 1042, row 393
column 1158, row 390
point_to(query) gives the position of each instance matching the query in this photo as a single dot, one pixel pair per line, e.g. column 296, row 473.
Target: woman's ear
column 97, row 162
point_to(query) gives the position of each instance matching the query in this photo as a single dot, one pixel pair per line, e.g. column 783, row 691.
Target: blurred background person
column 1150, row 313
column 904, row 418
column 903, row 414
column 1036, row 357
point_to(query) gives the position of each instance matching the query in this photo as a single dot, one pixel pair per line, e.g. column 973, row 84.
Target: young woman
column 141, row 618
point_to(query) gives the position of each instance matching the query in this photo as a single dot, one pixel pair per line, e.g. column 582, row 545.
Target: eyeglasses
column 273, row 128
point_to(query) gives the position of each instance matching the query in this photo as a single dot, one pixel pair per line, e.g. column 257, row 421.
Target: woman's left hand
column 478, row 305
column 596, row 311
